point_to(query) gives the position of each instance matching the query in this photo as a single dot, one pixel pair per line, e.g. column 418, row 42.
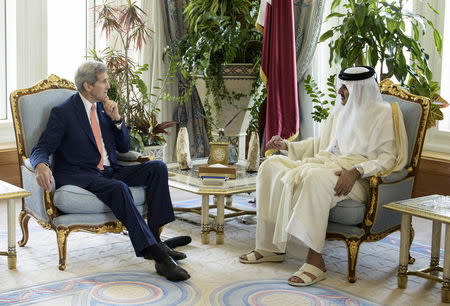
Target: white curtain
column 152, row 55
column 437, row 138
column 308, row 18
column 421, row 7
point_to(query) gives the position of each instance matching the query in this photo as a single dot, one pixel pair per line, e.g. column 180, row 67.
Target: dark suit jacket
column 68, row 136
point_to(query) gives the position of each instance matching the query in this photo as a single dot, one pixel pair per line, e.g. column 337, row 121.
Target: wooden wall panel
column 433, row 176
column 9, row 166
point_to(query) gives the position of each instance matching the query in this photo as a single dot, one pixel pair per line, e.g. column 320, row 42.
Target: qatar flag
column 278, row 68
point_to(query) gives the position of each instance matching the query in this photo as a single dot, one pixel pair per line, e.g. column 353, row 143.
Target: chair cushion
column 72, row 199
column 348, row 212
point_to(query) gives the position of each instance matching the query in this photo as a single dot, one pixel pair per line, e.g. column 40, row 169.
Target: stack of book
column 217, row 170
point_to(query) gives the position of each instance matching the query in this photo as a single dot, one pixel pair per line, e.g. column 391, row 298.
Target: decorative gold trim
column 23, row 222
column 63, row 232
column 198, row 190
column 389, row 88
column 13, row 195
column 372, row 204
column 379, row 236
column 52, row 82
column 271, row 151
column 41, row 222
column 52, row 211
column 263, row 76
column 61, row 238
column 434, row 261
column 260, row 28
column 239, row 71
column 352, row 249
column 402, row 269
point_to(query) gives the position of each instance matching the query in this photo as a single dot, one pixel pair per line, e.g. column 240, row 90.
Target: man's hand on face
column 44, row 176
column 111, row 109
column 276, row 143
column 346, row 180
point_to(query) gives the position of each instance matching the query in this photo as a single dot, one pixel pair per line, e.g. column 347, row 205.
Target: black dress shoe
column 172, row 253
column 177, row 241
column 171, row 270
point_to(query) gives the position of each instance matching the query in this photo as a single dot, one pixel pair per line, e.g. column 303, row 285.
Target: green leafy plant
column 373, row 33
column 418, row 84
column 259, row 94
column 321, row 107
column 219, row 32
column 126, row 25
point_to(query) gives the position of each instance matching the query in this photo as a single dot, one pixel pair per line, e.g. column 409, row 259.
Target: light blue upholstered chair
column 69, row 208
column 355, row 222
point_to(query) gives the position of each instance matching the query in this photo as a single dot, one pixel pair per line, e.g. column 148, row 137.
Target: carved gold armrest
column 374, row 182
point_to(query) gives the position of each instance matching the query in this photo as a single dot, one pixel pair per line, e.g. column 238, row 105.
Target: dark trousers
column 112, row 187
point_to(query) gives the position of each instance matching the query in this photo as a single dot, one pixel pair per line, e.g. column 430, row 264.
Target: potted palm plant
column 125, row 26
column 220, row 54
column 374, row 33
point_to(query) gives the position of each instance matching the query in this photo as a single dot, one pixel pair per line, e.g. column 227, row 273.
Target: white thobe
column 294, row 194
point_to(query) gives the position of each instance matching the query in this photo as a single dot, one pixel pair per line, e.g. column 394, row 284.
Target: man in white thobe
column 363, row 136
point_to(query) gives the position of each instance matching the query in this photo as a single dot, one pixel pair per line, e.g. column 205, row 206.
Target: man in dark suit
column 83, row 134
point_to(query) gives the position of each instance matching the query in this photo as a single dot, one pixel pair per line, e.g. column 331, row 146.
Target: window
column 7, row 67
column 438, row 138
column 51, row 37
column 3, row 59
column 444, row 125
column 66, row 36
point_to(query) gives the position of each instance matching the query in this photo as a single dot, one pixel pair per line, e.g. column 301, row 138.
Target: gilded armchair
column 355, row 222
column 69, row 208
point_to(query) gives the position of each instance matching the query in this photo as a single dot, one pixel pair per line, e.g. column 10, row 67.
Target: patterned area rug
column 102, row 270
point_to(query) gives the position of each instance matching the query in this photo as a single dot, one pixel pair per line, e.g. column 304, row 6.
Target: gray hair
column 87, row 72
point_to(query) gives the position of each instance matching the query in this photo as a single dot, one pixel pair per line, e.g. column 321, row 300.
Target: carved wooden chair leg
column 61, row 236
column 353, row 250
column 23, row 221
column 411, row 259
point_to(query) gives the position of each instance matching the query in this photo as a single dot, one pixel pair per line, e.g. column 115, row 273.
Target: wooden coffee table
column 188, row 180
column 425, row 207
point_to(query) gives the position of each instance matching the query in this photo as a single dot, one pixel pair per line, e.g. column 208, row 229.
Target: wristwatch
column 360, row 170
column 117, row 121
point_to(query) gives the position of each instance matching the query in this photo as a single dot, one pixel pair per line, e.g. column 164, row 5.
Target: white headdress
column 363, row 114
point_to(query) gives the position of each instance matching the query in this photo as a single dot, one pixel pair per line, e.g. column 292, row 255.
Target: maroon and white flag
column 278, row 68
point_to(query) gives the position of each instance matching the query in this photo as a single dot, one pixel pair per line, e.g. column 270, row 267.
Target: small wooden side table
column 11, row 194
column 428, row 208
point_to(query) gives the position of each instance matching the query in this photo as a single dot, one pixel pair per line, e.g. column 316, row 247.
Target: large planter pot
column 156, row 152
column 238, row 79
